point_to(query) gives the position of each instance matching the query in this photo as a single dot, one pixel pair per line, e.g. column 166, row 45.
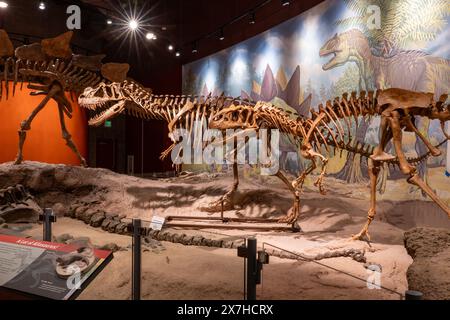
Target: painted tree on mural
column 403, row 22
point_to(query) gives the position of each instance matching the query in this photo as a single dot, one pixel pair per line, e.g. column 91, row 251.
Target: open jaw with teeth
column 102, row 109
column 333, row 61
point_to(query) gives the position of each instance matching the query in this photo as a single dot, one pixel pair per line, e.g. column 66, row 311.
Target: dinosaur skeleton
column 180, row 112
column 331, row 125
column 51, row 69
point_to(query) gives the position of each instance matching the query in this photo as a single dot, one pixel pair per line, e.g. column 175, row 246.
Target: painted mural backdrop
column 338, row 47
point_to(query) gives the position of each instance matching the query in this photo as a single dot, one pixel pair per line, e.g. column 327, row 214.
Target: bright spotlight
column 109, row 21
column 42, row 5
column 170, row 47
column 133, row 25
column 177, row 54
column 3, row 4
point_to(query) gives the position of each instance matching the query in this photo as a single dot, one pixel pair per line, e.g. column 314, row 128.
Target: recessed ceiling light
column 222, row 35
column 42, row 5
column 195, row 47
column 177, row 54
column 252, row 19
column 170, row 47
column 285, row 3
column 3, row 4
column 109, row 21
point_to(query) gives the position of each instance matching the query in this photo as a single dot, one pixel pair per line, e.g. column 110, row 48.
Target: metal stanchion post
column 413, row 295
column 136, row 228
column 255, row 262
column 251, row 269
column 47, row 217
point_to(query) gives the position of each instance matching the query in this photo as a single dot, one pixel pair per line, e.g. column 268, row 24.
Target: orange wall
column 44, row 141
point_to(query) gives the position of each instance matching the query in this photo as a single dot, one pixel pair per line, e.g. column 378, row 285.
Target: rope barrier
column 402, row 296
column 332, row 268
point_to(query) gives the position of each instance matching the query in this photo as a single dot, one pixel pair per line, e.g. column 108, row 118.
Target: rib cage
column 73, row 78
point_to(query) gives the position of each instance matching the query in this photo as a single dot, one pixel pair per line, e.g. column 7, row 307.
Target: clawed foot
column 362, row 236
column 290, row 218
column 216, row 206
column 18, row 161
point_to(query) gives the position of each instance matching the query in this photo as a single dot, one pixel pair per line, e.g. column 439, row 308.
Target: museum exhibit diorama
column 225, row 150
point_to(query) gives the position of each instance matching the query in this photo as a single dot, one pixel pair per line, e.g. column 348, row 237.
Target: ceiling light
column 252, row 19
column 195, row 47
column 151, row 36
column 221, row 36
column 3, row 4
column 109, row 21
column 133, row 24
column 42, row 5
column 177, row 54
column 285, row 3
column 170, row 47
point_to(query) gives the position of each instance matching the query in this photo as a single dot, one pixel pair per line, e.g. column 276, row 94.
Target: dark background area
column 178, row 22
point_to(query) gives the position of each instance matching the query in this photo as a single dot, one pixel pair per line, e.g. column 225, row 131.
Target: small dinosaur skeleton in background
column 326, row 128
column 51, row 69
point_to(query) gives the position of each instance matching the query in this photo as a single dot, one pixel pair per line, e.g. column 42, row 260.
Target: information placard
column 30, row 266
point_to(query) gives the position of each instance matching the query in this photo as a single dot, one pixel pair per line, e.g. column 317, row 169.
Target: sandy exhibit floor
column 175, row 271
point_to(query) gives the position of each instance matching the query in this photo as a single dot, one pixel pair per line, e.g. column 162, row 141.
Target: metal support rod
column 251, row 268
column 227, row 219
column 227, row 226
column 47, row 217
column 136, row 261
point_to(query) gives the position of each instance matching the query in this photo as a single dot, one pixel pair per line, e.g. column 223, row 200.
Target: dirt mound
column 430, row 271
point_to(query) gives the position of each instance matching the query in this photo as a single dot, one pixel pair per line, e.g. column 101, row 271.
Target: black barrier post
column 251, row 269
column 413, row 295
column 255, row 261
column 47, row 217
column 136, row 228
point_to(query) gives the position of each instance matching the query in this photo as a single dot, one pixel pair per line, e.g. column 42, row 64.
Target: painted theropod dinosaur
column 330, row 126
column 413, row 70
column 50, row 68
